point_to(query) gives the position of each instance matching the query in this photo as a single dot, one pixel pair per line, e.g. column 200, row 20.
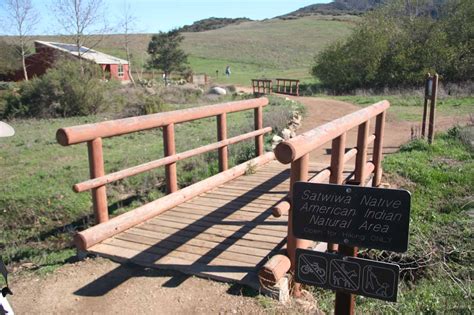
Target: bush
column 65, row 90
column 397, row 44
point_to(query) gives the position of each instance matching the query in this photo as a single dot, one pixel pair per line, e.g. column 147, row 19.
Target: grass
column 410, row 107
column 40, row 212
column 437, row 269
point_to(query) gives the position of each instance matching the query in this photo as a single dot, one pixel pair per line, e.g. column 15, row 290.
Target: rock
column 218, row 90
column 286, row 133
column 276, row 140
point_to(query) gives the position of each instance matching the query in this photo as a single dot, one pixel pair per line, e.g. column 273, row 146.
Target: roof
column 86, row 53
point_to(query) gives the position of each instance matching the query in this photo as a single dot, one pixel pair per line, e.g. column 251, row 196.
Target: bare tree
column 23, row 18
column 127, row 24
column 81, row 19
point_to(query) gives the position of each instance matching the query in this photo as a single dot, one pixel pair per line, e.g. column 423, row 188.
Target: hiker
column 227, row 71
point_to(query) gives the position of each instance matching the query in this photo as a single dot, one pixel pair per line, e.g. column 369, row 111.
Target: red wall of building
column 38, row 63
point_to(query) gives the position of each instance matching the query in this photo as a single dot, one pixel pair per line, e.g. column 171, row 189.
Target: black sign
column 352, row 215
column 349, row 274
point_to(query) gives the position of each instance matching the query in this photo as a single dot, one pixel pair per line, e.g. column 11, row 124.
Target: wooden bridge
column 233, row 225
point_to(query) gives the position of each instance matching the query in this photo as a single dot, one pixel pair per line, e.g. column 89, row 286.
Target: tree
column 9, row 61
column 81, row 19
column 165, row 53
column 23, row 18
column 126, row 25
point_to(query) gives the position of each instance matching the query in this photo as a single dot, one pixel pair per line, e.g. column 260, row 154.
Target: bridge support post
column 299, row 172
column 170, row 149
column 361, row 157
column 96, row 167
column 258, row 116
column 378, row 147
column 222, row 135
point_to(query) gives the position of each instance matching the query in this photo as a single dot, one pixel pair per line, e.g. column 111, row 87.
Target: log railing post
column 361, row 157
column 378, row 147
column 96, row 168
column 299, row 172
column 337, row 166
column 222, row 135
column 170, row 149
column 431, row 125
column 258, row 116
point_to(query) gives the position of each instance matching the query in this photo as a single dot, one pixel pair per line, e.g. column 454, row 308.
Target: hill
column 211, row 24
column 337, row 7
column 254, row 49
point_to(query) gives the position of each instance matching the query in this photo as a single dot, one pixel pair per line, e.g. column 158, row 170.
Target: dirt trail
column 75, row 288
column 323, row 110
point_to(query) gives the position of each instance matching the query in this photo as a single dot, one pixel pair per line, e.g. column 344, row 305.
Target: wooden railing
column 262, row 86
column 93, row 134
column 292, row 85
column 296, row 151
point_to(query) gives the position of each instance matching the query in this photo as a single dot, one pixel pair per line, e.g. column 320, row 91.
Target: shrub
column 397, row 44
column 63, row 91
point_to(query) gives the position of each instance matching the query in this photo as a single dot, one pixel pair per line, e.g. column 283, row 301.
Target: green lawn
column 410, row 107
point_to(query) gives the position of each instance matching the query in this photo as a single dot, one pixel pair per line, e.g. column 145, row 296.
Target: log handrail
column 296, row 151
column 94, row 133
column 82, row 133
column 293, row 149
column 112, row 177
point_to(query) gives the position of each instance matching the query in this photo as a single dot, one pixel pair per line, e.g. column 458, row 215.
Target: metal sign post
column 350, row 216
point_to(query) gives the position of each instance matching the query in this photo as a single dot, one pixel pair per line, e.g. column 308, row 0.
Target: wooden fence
column 93, row 134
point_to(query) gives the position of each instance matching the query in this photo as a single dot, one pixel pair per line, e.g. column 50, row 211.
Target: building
column 48, row 52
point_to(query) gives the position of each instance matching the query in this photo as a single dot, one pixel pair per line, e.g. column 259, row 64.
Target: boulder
column 276, row 140
column 286, row 133
column 218, row 90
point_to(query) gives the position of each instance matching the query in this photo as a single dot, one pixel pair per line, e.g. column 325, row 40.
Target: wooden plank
column 232, row 246
column 208, row 237
column 187, row 256
column 244, row 197
column 228, row 203
column 232, row 208
column 252, row 228
column 173, row 247
column 229, row 214
column 232, row 233
column 256, row 222
column 251, row 193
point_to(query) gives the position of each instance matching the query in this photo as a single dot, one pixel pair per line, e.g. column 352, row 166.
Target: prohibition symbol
column 344, row 275
column 312, row 269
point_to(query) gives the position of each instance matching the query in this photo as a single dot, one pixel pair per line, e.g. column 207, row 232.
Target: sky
column 162, row 15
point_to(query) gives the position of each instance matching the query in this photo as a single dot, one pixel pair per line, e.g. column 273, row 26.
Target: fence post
column 378, row 147
column 299, row 172
column 431, row 125
column 96, row 169
column 258, row 116
column 222, row 135
column 337, row 166
column 425, row 106
column 170, row 149
column 361, row 157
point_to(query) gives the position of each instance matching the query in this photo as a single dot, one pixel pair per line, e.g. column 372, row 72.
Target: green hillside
column 270, row 48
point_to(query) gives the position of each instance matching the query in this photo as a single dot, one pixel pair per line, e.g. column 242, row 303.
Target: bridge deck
column 226, row 234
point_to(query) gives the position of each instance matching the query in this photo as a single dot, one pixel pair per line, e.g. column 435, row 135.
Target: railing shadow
column 161, row 248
